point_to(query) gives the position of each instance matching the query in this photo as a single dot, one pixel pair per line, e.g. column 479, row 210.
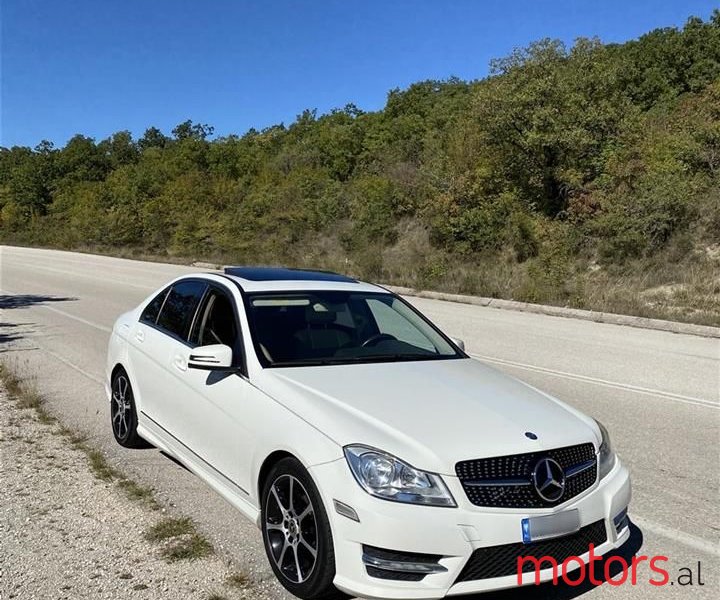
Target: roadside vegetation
column 181, row 540
column 52, row 498
column 26, row 396
column 583, row 176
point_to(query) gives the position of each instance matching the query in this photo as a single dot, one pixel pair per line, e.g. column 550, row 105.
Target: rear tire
column 123, row 414
column 296, row 533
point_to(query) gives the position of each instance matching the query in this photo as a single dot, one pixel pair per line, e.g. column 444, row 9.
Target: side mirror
column 459, row 343
column 211, row 358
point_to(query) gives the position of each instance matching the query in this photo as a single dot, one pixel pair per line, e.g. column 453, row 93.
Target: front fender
column 289, row 433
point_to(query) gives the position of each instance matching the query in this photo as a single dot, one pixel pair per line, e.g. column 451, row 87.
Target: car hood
column 431, row 414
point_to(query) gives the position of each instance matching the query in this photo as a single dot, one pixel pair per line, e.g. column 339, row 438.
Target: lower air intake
column 500, row 561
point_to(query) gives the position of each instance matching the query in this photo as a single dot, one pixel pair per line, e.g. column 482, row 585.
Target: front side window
column 329, row 327
column 179, row 309
column 216, row 321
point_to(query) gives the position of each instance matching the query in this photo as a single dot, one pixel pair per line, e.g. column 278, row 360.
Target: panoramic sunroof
column 281, row 274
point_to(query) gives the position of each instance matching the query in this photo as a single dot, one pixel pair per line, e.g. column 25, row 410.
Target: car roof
column 260, row 279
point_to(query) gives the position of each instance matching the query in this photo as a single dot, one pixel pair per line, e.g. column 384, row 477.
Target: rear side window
column 152, row 310
column 179, row 308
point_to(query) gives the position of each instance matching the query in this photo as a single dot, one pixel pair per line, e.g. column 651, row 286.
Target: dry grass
column 237, row 581
column 675, row 284
column 25, row 393
column 664, row 287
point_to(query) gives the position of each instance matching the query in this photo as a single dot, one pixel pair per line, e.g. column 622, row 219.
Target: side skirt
column 235, row 495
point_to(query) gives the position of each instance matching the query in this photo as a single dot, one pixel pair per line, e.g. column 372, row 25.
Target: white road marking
column 686, row 539
column 94, row 277
column 72, row 365
column 65, row 314
column 603, row 382
column 57, row 356
column 76, row 318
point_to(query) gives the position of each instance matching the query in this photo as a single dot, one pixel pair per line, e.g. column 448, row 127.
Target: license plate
column 550, row 526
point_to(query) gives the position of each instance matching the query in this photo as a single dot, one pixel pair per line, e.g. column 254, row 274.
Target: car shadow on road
column 563, row 591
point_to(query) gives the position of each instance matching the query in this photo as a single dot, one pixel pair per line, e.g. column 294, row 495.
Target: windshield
column 328, row 327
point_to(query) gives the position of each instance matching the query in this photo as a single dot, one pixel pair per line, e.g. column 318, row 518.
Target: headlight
column 607, row 456
column 384, row 476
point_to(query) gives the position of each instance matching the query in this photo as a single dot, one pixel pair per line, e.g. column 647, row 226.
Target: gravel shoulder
column 67, row 533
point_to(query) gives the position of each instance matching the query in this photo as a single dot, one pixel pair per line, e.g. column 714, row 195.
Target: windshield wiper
column 309, row 362
column 367, row 358
column 397, row 357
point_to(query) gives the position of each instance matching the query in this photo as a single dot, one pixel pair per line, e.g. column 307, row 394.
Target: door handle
column 140, row 335
column 180, row 363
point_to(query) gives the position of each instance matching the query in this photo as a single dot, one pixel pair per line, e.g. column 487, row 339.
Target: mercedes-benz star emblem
column 549, row 479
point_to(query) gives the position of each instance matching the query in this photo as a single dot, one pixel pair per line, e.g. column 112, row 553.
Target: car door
column 143, row 366
column 214, row 402
column 157, row 353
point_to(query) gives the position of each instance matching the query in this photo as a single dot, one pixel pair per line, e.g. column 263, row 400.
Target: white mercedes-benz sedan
column 376, row 457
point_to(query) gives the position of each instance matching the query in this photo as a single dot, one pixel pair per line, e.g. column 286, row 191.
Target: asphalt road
column 658, row 393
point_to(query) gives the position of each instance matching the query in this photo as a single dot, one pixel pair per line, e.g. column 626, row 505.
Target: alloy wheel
column 121, row 407
column 291, row 528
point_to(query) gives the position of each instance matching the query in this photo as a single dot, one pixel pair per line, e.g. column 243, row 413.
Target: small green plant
column 189, row 547
column 169, row 528
column 77, row 440
column 184, row 542
column 100, row 466
column 137, row 492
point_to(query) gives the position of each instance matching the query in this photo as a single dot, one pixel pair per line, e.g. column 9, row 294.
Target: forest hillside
column 585, row 176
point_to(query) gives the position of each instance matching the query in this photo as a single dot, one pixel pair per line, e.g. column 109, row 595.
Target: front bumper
column 453, row 533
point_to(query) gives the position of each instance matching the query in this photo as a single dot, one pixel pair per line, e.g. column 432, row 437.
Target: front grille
column 506, row 481
column 500, row 561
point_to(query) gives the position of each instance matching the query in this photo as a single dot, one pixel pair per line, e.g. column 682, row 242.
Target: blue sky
column 100, row 66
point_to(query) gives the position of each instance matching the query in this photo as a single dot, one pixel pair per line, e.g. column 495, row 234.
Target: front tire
column 123, row 414
column 296, row 533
